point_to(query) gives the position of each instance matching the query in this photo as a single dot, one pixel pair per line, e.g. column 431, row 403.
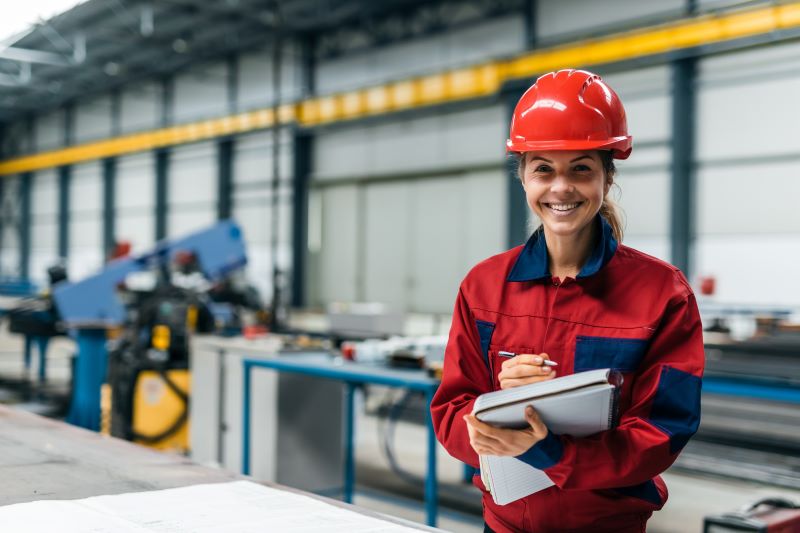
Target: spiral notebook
column 579, row 405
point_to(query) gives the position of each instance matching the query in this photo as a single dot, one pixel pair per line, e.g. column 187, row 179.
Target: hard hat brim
column 620, row 146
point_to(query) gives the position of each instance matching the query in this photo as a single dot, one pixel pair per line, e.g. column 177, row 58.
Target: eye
column 542, row 168
column 582, row 168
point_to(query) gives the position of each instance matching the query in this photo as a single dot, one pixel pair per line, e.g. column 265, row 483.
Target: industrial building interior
column 232, row 234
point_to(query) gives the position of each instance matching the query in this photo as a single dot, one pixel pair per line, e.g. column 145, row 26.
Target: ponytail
column 609, row 208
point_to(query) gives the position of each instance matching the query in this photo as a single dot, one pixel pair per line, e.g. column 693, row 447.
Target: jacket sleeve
column 664, row 414
column 465, row 377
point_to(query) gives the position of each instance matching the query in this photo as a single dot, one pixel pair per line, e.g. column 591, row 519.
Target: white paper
column 579, row 413
column 238, row 506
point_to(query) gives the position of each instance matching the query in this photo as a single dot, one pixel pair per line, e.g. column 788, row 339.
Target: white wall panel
column 569, row 17
column 192, row 188
column 200, row 93
column 727, row 127
column 135, row 200
column 182, row 222
column 85, row 251
column 339, row 253
column 44, row 195
column 644, row 198
column 9, row 231
column 253, row 158
column 483, row 217
column 193, row 174
column 50, row 130
column 756, row 199
column 252, row 212
column 387, row 240
column 751, row 269
column 419, row 238
column 86, row 188
column 93, row 119
column 137, row 228
column 341, row 152
column 747, row 105
column 492, row 39
column 255, row 77
column 430, row 142
column 140, row 107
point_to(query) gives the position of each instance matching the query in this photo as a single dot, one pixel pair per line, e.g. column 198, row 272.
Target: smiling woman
column 576, row 296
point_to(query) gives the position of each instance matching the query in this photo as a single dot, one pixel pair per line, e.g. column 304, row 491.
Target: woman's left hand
column 489, row 440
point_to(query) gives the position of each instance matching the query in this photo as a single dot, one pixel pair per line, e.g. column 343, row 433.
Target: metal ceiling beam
column 26, row 55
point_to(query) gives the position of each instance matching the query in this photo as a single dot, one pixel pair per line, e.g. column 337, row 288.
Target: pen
column 545, row 362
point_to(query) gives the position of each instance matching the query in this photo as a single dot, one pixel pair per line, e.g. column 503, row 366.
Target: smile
column 563, row 208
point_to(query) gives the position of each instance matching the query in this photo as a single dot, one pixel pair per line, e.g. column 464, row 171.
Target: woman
column 575, row 295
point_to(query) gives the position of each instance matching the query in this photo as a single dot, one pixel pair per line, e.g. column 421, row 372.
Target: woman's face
column 565, row 188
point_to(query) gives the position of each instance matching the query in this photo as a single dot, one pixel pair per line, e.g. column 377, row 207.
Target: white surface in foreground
column 240, row 506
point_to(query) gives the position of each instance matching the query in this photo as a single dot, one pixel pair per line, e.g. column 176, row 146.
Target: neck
column 568, row 253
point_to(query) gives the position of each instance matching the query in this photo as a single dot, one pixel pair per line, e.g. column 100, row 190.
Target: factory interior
column 232, row 234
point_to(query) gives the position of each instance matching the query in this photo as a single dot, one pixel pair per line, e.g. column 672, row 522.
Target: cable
column 395, row 410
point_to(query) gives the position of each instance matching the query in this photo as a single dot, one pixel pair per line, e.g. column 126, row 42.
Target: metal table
column 324, row 365
column 43, row 459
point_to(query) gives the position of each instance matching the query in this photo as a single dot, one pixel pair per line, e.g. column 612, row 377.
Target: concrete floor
column 691, row 496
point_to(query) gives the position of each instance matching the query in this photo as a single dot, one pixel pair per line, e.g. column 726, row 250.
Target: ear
column 607, row 187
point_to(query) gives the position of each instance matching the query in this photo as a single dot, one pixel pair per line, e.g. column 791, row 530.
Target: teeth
column 563, row 207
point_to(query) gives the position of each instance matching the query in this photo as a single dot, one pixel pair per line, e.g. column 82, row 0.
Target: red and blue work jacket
column 625, row 310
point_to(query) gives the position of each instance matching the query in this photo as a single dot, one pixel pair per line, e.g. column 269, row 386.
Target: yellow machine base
column 156, row 407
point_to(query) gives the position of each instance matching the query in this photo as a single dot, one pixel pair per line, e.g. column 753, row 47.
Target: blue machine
column 91, row 306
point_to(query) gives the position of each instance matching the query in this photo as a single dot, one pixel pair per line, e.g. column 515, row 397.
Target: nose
column 561, row 184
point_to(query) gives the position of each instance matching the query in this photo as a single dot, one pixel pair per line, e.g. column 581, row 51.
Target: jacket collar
column 531, row 265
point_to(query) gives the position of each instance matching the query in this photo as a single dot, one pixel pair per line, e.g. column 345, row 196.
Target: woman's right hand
column 524, row 369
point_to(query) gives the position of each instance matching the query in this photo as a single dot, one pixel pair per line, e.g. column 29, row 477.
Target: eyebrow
column 548, row 161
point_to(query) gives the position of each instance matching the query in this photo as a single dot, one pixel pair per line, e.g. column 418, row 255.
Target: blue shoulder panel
column 608, row 352
column 485, row 330
column 646, row 491
column 676, row 407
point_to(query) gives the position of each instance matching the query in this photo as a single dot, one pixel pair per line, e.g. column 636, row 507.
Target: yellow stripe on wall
column 462, row 84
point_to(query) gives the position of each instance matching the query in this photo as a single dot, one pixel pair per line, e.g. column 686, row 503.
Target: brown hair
column 609, row 208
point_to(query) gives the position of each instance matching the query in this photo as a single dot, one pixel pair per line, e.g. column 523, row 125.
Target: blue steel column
column 90, row 373
column 247, row 368
column 349, row 449
column 162, row 161
column 431, row 485
column 109, row 207
column 225, row 146
column 682, row 197
column 300, row 185
column 225, row 178
column 302, row 146
column 517, row 210
column 64, row 178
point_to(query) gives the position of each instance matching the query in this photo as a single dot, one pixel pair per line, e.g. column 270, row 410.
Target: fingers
column 523, row 371
column 482, row 428
column 536, row 423
column 510, row 383
column 525, row 359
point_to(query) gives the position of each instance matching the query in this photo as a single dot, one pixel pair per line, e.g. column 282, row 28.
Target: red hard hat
column 570, row 110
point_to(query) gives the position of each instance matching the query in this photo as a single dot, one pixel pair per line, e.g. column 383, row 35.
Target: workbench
column 352, row 374
column 43, row 459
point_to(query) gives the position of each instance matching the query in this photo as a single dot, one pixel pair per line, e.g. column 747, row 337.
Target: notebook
column 579, row 405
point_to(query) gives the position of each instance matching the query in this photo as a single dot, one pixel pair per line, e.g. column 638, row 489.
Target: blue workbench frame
column 353, row 375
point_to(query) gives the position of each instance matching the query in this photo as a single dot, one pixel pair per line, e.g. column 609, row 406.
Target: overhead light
column 111, row 68
column 180, row 46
